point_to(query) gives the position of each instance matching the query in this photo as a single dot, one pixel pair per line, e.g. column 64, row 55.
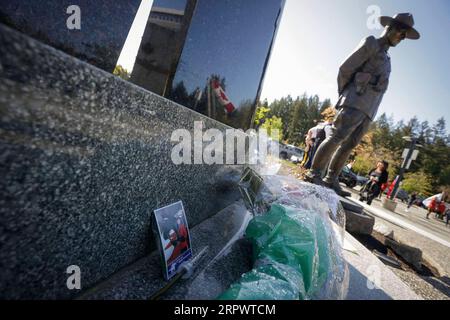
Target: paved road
column 414, row 220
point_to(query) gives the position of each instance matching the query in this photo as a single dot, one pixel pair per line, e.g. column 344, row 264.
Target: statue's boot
column 314, row 176
column 333, row 183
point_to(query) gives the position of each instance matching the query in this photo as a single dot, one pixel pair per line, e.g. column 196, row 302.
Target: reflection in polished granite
column 229, row 41
column 84, row 159
column 186, row 44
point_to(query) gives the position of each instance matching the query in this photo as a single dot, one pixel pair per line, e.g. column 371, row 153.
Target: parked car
column 295, row 159
column 348, row 177
column 293, row 153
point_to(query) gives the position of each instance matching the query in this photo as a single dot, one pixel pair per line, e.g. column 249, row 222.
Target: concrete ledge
column 350, row 205
column 370, row 279
column 438, row 269
column 426, row 258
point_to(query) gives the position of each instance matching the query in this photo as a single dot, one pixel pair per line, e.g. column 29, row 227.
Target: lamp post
column 406, row 162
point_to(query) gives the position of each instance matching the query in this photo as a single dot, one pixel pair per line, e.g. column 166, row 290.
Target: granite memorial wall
column 85, row 156
column 186, row 45
column 84, row 159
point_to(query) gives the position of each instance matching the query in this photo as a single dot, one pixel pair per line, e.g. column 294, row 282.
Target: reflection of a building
column 160, row 47
column 184, row 52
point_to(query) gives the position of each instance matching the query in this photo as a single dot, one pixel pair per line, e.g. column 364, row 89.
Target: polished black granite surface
column 186, row 45
column 104, row 26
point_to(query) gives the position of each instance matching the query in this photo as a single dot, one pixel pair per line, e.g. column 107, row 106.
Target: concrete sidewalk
column 435, row 254
column 402, row 222
column 435, row 250
column 371, row 279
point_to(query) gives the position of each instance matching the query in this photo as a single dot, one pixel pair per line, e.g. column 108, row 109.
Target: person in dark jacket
column 411, row 201
column 377, row 177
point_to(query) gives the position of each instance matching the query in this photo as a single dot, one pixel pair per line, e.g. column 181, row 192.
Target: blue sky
column 316, row 36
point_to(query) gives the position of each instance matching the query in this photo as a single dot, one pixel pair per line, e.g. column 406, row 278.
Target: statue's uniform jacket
column 369, row 57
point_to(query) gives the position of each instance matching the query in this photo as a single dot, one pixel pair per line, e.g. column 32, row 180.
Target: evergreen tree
column 430, row 172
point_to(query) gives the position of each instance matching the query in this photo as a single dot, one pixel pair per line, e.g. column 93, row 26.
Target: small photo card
column 173, row 236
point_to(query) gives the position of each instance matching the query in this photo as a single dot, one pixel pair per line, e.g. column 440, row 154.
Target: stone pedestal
column 389, row 204
column 359, row 223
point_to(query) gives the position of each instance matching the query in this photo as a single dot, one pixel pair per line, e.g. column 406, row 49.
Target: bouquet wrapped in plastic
column 295, row 247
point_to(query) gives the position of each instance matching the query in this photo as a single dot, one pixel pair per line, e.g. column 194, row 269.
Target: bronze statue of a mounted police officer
column 362, row 81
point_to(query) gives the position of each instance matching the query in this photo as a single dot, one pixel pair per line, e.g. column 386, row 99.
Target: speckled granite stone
column 84, row 159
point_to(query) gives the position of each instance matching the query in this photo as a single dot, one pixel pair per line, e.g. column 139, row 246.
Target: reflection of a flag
column 222, row 97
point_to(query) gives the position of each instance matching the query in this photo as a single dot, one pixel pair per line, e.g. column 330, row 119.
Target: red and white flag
column 221, row 96
column 391, row 187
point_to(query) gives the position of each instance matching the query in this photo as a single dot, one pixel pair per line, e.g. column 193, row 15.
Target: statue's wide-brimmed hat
column 404, row 20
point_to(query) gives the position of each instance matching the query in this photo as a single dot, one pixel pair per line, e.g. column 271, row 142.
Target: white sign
column 414, row 155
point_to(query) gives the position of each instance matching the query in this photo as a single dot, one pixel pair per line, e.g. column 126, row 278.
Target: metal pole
column 403, row 168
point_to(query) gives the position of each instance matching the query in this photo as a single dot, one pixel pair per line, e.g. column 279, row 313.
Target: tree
column 439, row 131
column 121, row 72
column 425, row 133
column 298, row 125
column 261, row 115
column 384, row 140
column 272, row 124
column 180, row 94
column 419, row 182
column 262, row 120
column 283, row 109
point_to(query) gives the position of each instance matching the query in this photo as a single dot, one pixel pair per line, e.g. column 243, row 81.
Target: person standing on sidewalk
column 411, row 201
column 362, row 81
column 314, row 138
column 377, row 177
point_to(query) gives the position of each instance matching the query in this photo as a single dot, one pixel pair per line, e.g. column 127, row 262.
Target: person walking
column 411, row 201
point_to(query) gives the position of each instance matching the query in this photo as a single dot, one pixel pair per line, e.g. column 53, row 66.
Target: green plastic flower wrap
column 297, row 256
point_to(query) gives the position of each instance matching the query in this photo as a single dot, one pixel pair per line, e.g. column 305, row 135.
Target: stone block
column 410, row 254
column 358, row 223
column 350, row 205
